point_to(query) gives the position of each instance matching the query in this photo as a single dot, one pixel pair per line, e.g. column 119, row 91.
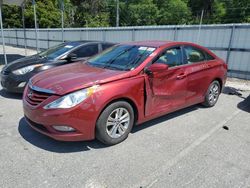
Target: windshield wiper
column 106, row 66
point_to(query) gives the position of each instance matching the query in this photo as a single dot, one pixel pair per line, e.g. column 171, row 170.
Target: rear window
column 171, row 57
column 194, row 55
column 209, row 57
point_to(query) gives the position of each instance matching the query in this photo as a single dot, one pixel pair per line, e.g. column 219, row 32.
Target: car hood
column 22, row 62
column 68, row 78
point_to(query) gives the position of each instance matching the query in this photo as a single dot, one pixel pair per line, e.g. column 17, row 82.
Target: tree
column 197, row 6
column 91, row 13
column 69, row 11
column 12, row 16
column 174, row 12
column 142, row 13
column 237, row 11
column 218, row 13
column 48, row 15
column 102, row 13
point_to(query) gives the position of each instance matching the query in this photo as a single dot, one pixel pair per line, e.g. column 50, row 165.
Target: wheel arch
column 126, row 99
column 220, row 82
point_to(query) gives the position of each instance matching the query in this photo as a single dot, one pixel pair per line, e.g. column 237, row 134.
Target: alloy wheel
column 117, row 122
column 213, row 93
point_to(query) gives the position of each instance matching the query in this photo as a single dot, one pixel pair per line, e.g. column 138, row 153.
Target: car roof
column 152, row 43
column 80, row 42
column 159, row 43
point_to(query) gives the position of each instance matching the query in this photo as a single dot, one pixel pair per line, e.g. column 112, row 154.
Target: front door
column 166, row 90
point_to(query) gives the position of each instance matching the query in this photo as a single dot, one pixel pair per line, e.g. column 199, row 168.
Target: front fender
column 131, row 89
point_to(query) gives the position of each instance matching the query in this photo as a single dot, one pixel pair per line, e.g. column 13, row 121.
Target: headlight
column 25, row 70
column 72, row 99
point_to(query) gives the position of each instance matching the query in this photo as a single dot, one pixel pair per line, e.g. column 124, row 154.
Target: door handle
column 181, row 76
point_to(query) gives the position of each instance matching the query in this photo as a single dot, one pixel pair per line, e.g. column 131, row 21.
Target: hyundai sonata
column 125, row 85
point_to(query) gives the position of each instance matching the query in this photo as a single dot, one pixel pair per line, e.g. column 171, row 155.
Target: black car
column 16, row 74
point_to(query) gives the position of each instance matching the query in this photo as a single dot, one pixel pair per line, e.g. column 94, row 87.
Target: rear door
column 198, row 73
column 166, row 91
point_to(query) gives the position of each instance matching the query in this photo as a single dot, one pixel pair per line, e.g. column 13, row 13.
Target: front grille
column 35, row 97
column 38, row 126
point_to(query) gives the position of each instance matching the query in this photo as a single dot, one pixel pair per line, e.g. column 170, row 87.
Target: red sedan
column 125, row 85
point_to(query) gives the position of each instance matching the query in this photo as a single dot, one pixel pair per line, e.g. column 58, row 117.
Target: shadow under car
column 39, row 140
column 10, row 95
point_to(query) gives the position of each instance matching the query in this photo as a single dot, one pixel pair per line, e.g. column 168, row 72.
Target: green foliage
column 237, row 11
column 143, row 13
column 90, row 13
column 12, row 17
column 221, row 11
column 218, row 13
column 174, row 12
column 102, row 13
column 48, row 15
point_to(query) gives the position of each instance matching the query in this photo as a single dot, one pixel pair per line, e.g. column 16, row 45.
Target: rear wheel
column 212, row 94
column 115, row 123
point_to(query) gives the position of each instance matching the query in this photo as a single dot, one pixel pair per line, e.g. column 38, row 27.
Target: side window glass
column 86, row 51
column 194, row 55
column 171, row 57
column 209, row 57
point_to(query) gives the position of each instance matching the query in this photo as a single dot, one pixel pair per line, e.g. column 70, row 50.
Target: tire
column 115, row 123
column 212, row 94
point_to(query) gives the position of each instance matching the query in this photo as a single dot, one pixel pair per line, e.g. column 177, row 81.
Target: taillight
column 225, row 65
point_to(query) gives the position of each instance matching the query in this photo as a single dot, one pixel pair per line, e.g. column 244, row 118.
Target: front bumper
column 50, row 132
column 81, row 117
column 11, row 82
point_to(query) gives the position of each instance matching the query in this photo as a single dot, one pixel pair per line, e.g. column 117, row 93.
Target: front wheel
column 115, row 123
column 212, row 94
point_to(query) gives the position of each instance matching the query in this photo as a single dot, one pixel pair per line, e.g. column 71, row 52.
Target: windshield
column 122, row 57
column 56, row 51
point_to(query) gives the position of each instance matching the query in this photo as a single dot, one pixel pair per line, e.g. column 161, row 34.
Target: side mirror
column 156, row 68
column 71, row 57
